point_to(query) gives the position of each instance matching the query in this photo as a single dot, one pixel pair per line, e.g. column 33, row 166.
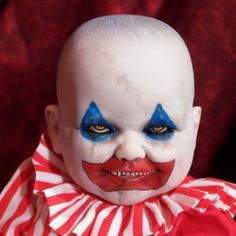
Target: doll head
column 125, row 122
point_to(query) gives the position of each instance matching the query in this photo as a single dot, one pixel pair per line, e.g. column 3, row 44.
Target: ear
column 197, row 111
column 52, row 118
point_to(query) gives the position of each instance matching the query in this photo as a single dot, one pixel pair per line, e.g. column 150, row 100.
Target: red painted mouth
column 141, row 174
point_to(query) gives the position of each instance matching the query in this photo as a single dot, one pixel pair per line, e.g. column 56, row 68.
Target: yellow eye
column 100, row 129
column 158, row 129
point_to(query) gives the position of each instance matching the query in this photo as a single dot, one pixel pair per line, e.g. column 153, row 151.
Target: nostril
column 130, row 148
column 127, row 158
column 131, row 152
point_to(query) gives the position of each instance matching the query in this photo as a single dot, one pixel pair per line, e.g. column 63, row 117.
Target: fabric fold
column 69, row 210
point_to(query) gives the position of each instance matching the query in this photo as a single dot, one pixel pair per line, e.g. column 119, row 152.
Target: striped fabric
column 41, row 199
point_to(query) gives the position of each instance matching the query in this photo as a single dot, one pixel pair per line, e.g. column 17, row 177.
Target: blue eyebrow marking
column 160, row 118
column 92, row 117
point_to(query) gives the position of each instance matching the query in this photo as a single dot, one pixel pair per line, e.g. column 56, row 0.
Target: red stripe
column 24, row 203
column 231, row 185
column 40, row 185
column 71, row 221
column 47, row 144
column 20, row 179
column 107, row 223
column 23, row 227
column 152, row 218
column 217, row 181
column 46, row 163
column 61, row 198
column 43, row 141
column 126, row 213
column 204, row 204
column 209, row 189
column 47, row 230
column 190, row 192
column 87, row 232
column 138, row 220
column 45, row 169
column 166, row 211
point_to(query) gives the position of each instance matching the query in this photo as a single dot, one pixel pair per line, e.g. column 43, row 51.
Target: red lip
column 141, row 174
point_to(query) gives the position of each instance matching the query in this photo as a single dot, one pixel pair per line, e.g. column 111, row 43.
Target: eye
column 159, row 133
column 94, row 127
column 99, row 129
column 158, row 129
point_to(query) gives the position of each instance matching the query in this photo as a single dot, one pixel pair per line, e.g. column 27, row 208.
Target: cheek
column 184, row 156
column 76, row 148
column 161, row 151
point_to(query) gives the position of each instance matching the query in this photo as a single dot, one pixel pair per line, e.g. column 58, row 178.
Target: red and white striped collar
column 73, row 211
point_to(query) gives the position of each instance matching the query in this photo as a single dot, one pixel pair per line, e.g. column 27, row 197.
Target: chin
column 128, row 197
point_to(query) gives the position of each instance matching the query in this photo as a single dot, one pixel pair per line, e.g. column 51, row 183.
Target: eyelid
column 159, row 129
column 102, row 131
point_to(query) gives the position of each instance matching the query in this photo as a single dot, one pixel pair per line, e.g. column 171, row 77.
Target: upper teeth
column 126, row 173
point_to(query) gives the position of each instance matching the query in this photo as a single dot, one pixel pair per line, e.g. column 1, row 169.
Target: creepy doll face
column 125, row 125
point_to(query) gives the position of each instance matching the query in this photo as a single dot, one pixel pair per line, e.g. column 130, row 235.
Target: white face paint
column 128, row 103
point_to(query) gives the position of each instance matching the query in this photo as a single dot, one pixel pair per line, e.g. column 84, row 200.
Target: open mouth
column 116, row 174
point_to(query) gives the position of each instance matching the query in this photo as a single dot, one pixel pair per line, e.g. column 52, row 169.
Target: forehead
column 152, row 69
column 124, row 77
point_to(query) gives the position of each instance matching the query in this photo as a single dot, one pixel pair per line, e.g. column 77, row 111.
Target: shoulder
column 212, row 222
column 16, row 197
column 213, row 209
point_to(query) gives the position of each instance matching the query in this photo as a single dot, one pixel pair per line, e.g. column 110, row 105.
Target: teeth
column 128, row 174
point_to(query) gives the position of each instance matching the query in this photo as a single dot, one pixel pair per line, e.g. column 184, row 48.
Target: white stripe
column 19, row 220
column 129, row 229
column 174, row 207
column 184, row 200
column 48, row 177
column 210, row 196
column 50, row 157
column 221, row 205
column 40, row 219
column 62, row 218
column 230, row 191
column 56, row 208
column 231, row 214
column 146, row 224
column 99, row 219
column 24, row 165
column 81, row 215
column 203, row 183
column 87, row 220
column 36, row 163
column 116, row 223
column 199, row 209
column 63, row 188
column 15, row 201
column 156, row 210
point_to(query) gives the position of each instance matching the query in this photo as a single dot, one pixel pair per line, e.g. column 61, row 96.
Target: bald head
column 125, row 91
column 140, row 42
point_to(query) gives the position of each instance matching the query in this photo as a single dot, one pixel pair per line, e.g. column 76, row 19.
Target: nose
column 130, row 149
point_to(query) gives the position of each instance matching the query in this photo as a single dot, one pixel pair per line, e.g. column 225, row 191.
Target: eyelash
column 90, row 132
column 92, row 128
column 163, row 135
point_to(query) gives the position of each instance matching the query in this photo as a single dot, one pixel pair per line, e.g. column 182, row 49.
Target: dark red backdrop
column 32, row 34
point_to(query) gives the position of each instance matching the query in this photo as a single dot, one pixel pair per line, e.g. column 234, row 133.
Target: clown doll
column 120, row 143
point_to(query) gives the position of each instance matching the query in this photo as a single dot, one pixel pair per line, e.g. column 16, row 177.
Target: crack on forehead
column 122, row 79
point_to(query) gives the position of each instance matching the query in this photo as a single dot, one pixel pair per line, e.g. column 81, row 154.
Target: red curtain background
column 32, row 34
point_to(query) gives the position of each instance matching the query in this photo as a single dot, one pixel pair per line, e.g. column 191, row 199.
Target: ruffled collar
column 72, row 211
